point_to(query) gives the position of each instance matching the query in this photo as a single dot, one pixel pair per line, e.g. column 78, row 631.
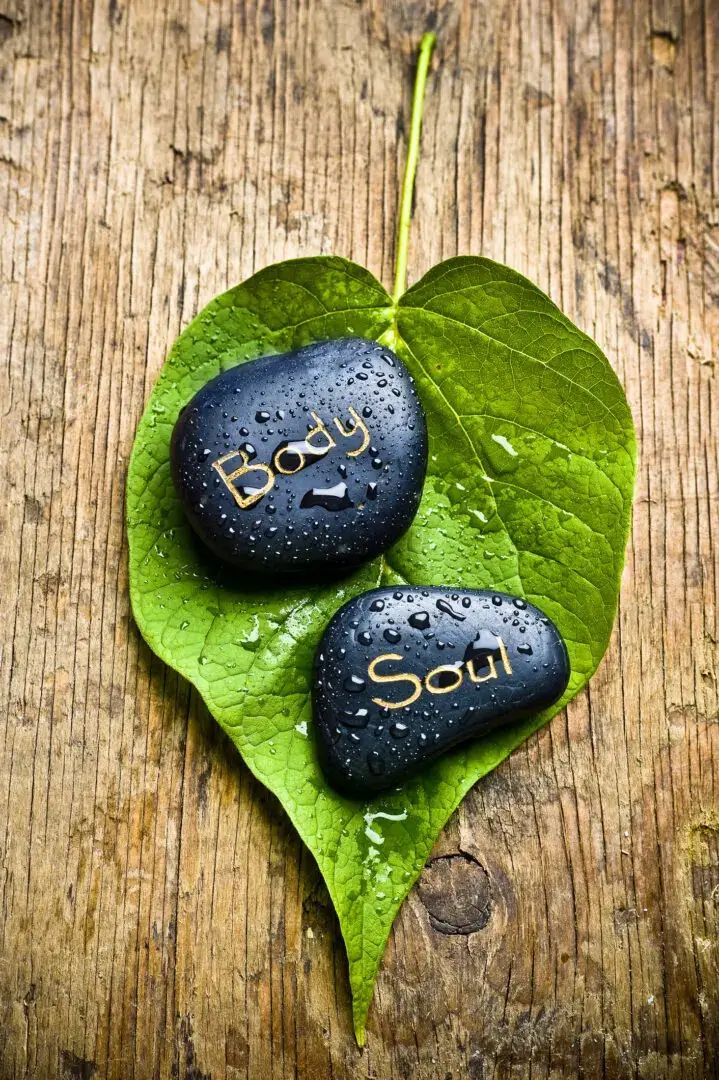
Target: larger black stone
column 303, row 460
column 402, row 675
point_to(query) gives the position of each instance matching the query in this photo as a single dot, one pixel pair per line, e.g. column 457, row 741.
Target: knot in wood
column 456, row 892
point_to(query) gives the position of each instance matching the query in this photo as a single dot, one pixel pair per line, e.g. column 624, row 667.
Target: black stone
column 425, row 669
column 306, row 460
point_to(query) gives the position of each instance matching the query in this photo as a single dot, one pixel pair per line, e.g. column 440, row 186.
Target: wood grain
column 158, row 916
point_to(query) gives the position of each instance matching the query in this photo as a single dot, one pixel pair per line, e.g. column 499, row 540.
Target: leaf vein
column 521, row 352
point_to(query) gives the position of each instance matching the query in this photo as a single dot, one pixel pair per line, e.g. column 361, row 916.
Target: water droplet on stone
column 356, row 719
column 354, row 684
column 332, row 498
column 375, row 763
column 446, row 607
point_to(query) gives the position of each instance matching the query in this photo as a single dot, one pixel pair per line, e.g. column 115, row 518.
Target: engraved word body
column 288, row 458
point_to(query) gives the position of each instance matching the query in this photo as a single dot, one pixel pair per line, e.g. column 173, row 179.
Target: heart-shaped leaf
column 529, row 487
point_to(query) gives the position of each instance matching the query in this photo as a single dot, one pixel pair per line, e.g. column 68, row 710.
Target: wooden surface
column 158, row 916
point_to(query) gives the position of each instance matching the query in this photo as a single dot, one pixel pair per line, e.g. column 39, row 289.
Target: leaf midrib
column 396, row 335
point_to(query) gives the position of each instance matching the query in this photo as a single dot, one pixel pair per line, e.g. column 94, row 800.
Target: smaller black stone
column 468, row 663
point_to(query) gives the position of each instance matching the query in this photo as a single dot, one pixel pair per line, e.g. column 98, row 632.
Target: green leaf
column 529, row 488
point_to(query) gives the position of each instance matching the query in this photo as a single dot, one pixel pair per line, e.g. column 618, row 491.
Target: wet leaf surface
column 529, row 488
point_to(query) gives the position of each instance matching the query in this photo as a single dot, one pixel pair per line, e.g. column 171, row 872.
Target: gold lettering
column 492, row 668
column 320, row 429
column 359, row 425
column 505, row 657
column 456, row 670
column 244, row 501
column 482, row 678
column 304, row 448
column 371, row 671
column 294, row 449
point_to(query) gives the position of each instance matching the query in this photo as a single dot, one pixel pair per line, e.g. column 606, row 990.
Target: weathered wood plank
column 158, row 916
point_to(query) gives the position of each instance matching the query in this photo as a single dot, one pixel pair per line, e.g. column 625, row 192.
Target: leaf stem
column 405, row 208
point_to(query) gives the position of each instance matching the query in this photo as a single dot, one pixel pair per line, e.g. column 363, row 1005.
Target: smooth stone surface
column 308, row 459
column 402, row 675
